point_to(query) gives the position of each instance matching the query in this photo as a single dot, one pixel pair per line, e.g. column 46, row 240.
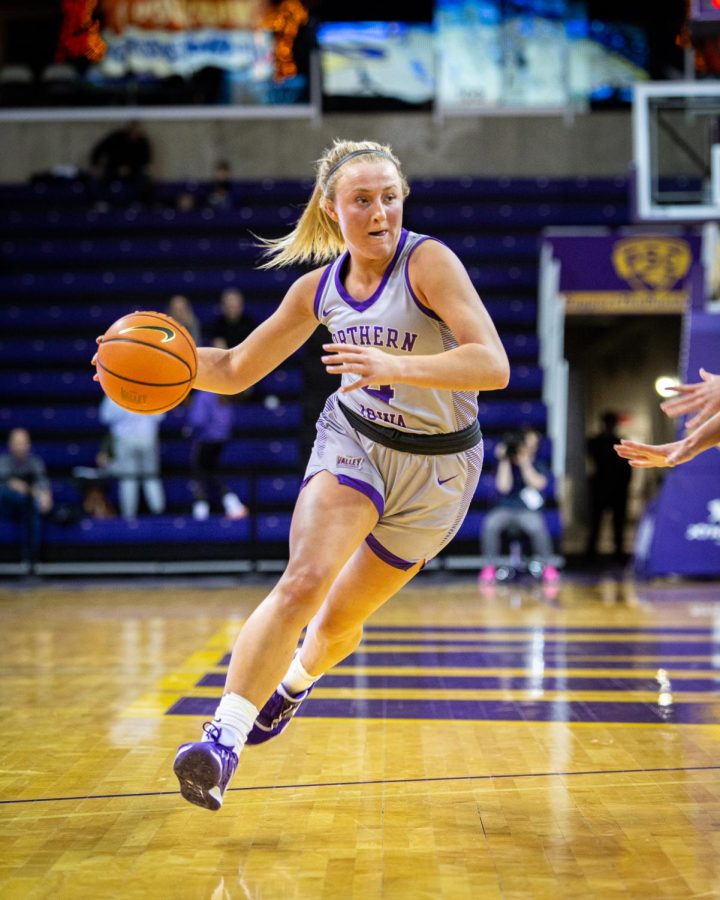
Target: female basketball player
column 398, row 449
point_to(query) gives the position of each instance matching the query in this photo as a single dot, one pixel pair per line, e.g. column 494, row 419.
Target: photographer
column 519, row 481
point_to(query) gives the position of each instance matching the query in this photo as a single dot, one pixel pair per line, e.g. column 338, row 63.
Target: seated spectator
column 520, row 481
column 120, row 167
column 185, row 201
column 136, row 457
column 209, row 423
column 93, row 483
column 25, row 492
column 180, row 308
column 233, row 324
column 96, row 503
column 220, row 192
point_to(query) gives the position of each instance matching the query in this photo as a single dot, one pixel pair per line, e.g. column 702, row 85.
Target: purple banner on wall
column 602, row 274
column 680, row 533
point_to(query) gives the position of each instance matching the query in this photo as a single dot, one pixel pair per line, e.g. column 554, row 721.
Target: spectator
column 609, row 485
column 519, row 480
column 25, row 492
column 209, row 423
column 120, row 165
column 95, row 502
column 136, row 457
column 185, row 201
column 180, row 308
column 220, row 191
column 93, row 483
column 233, row 324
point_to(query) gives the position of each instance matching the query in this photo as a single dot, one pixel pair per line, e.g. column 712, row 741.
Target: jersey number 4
column 383, row 392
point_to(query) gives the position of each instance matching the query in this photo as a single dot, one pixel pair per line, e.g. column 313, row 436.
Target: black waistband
column 421, row 444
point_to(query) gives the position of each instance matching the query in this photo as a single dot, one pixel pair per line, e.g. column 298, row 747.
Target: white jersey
column 394, row 319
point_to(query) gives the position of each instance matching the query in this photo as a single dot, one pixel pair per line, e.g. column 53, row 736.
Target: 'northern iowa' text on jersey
column 394, row 320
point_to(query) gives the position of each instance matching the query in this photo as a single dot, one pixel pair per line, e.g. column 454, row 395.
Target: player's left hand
column 702, row 398
column 373, row 366
column 654, row 456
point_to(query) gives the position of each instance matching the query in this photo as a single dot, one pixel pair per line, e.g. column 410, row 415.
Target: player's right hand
column 93, row 361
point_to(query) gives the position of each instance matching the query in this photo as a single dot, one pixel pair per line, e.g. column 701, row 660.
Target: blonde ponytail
column 317, row 238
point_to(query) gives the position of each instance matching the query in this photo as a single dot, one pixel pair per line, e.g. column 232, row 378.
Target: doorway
column 614, row 362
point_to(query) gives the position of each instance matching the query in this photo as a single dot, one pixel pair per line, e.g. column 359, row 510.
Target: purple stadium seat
column 69, row 271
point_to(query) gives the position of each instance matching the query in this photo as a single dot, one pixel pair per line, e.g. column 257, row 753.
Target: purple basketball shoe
column 276, row 714
column 204, row 769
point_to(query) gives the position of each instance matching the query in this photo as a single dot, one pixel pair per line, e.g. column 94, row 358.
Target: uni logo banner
column 604, row 274
column 655, row 263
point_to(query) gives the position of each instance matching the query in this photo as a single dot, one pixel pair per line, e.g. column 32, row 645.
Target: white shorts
column 421, row 500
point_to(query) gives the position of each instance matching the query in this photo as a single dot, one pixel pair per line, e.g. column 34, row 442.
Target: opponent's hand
column 654, row 456
column 373, row 366
column 93, row 361
column 702, row 398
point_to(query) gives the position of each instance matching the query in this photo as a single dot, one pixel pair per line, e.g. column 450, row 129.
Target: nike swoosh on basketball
column 168, row 332
column 443, row 480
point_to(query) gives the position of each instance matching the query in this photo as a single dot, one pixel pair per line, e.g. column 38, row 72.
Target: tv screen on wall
column 377, row 65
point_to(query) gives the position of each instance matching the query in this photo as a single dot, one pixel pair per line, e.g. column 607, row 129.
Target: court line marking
column 335, row 784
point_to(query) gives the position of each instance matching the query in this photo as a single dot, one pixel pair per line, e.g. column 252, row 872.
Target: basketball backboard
column 676, row 150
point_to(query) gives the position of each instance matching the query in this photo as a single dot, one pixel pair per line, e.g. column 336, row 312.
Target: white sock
column 235, row 716
column 297, row 679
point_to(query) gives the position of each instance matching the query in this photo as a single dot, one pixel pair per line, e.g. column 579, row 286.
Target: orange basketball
column 147, row 362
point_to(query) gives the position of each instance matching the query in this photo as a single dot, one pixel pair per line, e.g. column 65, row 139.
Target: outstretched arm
column 647, row 456
column 702, row 398
column 441, row 283
column 271, row 343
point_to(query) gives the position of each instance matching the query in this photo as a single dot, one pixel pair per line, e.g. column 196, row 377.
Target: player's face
column 368, row 207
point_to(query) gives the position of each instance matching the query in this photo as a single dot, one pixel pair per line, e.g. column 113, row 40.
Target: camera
column 512, row 446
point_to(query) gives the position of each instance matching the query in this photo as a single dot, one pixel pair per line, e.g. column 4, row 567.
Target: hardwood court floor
column 508, row 744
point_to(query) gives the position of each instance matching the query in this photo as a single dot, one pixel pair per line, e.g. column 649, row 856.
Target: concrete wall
column 589, row 144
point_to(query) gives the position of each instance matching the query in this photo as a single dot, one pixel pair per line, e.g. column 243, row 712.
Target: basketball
column 147, row 362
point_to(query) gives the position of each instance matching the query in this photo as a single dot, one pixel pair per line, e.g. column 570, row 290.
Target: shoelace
column 287, row 711
column 212, row 731
column 228, row 757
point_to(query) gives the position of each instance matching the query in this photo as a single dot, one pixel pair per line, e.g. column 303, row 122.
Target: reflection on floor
column 511, row 741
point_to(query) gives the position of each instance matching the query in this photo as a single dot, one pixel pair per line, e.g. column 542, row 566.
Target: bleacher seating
column 69, row 270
